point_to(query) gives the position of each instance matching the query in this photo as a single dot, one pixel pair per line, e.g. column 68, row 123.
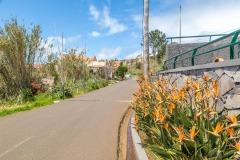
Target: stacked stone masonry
column 226, row 73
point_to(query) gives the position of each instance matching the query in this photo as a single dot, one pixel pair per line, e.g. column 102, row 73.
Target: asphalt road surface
column 82, row 128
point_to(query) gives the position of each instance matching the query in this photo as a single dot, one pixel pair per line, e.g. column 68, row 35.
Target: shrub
column 35, row 88
column 138, row 65
column 67, row 93
column 183, row 123
column 121, row 70
column 25, row 95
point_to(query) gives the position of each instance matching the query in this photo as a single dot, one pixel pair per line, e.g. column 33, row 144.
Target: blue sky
column 113, row 28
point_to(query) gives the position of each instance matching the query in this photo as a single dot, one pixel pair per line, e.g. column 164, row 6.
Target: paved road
column 82, row 128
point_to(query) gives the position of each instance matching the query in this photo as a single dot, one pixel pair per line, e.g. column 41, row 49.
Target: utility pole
column 180, row 24
column 84, row 62
column 62, row 69
column 146, row 41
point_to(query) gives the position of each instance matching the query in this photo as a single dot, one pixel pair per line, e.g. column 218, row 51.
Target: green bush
column 25, row 95
column 121, row 70
column 67, row 93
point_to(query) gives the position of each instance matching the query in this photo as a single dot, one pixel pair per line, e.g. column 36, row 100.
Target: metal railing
column 194, row 50
column 208, row 35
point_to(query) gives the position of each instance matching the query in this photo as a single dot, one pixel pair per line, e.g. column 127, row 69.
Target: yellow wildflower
column 193, row 133
column 174, row 87
column 208, row 94
column 185, row 88
column 219, row 128
column 206, row 77
column 230, row 131
column 211, row 109
column 167, row 126
column 196, row 85
column 157, row 83
column 190, row 81
column 175, row 96
column 215, row 88
column 156, row 114
column 237, row 145
column 199, row 96
column 162, row 117
column 159, row 108
column 171, row 107
column 182, row 94
column 180, row 133
column 232, row 119
column 159, row 97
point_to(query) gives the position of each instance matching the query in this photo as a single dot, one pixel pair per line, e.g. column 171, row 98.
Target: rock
column 232, row 112
column 220, row 106
column 200, row 80
column 235, row 90
column 186, row 73
column 173, row 78
column 232, row 101
column 230, row 71
column 219, row 72
column 169, row 76
column 181, row 81
column 212, row 75
column 200, row 72
column 236, row 77
column 178, row 75
column 185, row 78
column 225, row 84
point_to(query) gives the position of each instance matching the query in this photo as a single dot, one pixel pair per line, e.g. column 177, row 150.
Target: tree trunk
column 146, row 41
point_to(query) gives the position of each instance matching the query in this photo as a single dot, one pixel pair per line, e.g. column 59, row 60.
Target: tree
column 157, row 41
column 121, row 70
column 74, row 66
column 18, row 50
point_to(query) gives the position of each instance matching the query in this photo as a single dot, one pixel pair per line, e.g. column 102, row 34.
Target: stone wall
column 226, row 73
column 175, row 49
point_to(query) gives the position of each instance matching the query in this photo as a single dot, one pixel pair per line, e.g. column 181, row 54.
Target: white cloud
column 94, row 12
column 134, row 55
column 105, row 21
column 56, row 42
column 72, row 39
column 111, row 23
column 108, row 53
column 95, row 34
column 198, row 17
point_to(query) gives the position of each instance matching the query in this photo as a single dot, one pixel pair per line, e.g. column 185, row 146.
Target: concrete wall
column 175, row 49
column 227, row 73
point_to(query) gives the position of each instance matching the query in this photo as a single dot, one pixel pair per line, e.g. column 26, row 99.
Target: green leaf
column 212, row 153
column 228, row 153
column 184, row 120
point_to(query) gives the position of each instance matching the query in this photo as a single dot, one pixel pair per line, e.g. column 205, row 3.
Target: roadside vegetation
column 182, row 123
column 32, row 75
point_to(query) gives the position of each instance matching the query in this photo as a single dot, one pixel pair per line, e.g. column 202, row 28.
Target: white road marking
column 14, row 147
column 124, row 101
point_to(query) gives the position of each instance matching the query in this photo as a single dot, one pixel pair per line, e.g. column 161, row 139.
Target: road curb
column 139, row 150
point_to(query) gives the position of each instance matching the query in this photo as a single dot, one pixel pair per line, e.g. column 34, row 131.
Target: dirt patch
column 122, row 135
